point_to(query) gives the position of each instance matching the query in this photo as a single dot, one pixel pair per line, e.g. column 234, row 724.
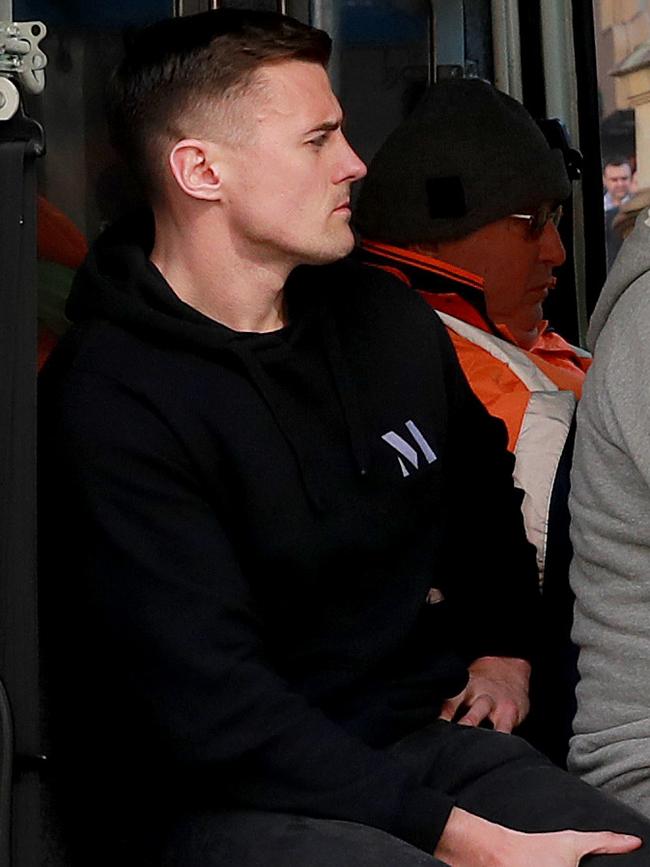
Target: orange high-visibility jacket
column 533, row 391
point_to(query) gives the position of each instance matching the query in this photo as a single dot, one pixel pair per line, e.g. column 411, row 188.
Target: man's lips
column 542, row 289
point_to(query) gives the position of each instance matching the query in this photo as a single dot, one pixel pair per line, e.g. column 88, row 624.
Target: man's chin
column 331, row 252
column 527, row 337
column 525, row 331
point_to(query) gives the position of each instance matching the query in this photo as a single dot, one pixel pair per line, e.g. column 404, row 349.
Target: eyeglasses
column 537, row 221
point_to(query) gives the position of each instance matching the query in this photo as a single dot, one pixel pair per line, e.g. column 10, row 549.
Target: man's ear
column 195, row 169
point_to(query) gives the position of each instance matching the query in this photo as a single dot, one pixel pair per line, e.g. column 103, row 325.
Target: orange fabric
column 497, row 387
column 557, row 359
column 59, row 240
column 552, row 354
column 500, row 390
column 427, row 263
column 454, row 305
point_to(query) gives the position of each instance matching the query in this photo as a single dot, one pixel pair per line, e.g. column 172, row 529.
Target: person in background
column 617, row 182
column 610, row 503
column 464, row 206
column 279, row 531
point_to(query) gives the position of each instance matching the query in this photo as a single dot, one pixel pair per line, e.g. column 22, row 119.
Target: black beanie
column 467, row 156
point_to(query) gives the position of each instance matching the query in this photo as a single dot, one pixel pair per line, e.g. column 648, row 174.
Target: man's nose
column 551, row 248
column 353, row 167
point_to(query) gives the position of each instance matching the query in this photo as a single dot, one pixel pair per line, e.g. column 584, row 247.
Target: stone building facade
column 622, row 26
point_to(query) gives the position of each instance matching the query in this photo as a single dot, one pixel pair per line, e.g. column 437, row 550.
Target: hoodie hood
column 119, row 284
column 631, row 263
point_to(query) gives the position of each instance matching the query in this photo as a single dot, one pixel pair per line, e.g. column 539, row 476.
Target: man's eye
column 319, row 141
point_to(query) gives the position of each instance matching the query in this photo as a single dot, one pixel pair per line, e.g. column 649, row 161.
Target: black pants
column 498, row 777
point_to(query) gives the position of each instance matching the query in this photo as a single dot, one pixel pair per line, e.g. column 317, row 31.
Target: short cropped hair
column 617, row 160
column 196, row 69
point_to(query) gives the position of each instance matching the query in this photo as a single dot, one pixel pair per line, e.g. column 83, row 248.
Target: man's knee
column 253, row 839
column 449, row 756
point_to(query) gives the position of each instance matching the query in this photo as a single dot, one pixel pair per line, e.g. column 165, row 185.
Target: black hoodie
column 240, row 533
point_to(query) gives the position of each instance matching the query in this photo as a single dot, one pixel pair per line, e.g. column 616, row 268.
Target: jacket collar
column 423, row 263
column 444, row 287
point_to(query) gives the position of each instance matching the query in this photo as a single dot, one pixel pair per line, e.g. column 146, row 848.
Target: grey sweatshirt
column 610, row 505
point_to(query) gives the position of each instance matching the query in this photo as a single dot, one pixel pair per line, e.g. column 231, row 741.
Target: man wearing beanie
column 464, row 205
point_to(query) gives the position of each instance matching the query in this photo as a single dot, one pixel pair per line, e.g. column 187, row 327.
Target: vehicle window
column 83, row 43
column 78, row 188
column 380, row 66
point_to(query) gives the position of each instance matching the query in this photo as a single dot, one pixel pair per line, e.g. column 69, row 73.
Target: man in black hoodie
column 278, row 530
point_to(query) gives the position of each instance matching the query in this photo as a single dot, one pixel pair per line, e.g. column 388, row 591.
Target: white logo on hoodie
column 406, row 450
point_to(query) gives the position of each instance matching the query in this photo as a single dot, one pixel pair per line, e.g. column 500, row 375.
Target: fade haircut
column 193, row 71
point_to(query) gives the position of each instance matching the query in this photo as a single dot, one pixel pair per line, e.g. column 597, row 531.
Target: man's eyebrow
column 326, row 126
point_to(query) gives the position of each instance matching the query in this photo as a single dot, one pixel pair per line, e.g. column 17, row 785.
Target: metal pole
column 562, row 101
column 584, row 43
column 560, row 64
column 507, row 54
column 6, row 10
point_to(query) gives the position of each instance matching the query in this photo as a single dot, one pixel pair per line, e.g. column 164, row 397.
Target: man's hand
column 497, row 690
column 469, row 841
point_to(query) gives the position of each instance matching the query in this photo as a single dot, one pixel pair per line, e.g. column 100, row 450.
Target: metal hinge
column 20, row 58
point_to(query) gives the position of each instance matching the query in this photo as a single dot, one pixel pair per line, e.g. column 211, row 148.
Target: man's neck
column 205, row 272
